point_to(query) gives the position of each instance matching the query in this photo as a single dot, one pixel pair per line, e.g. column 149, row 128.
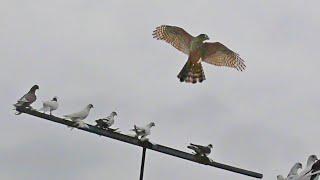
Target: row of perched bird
column 310, row 172
column 103, row 123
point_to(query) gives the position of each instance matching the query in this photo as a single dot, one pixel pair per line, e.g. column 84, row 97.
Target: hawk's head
column 203, row 37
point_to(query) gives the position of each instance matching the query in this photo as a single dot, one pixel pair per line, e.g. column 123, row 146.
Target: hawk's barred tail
column 192, row 73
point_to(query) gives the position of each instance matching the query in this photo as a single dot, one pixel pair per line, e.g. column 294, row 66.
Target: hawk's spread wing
column 175, row 36
column 219, row 55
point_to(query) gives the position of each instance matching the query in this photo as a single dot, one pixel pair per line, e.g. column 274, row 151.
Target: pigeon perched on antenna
column 50, row 105
column 314, row 172
column 143, row 132
column 280, row 177
column 107, row 122
column 293, row 173
column 78, row 117
column 310, row 161
column 201, row 150
column 27, row 99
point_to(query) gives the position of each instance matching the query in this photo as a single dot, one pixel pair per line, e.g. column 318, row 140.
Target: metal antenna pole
column 142, row 162
column 134, row 141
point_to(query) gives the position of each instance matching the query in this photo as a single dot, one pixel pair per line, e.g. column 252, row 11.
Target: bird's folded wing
column 192, row 147
column 219, row 55
column 99, row 121
column 198, row 146
column 107, row 119
column 49, row 103
column 175, row 36
column 139, row 129
column 23, row 99
column 77, row 114
column 29, row 97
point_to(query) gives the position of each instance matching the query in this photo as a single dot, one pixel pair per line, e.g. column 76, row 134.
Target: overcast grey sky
column 102, row 52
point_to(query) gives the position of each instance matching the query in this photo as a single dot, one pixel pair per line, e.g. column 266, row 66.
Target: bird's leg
column 50, row 113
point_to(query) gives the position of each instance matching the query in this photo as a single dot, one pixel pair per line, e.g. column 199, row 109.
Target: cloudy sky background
column 102, row 52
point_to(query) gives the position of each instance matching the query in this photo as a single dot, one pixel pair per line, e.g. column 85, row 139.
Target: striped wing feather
column 219, row 55
column 175, row 36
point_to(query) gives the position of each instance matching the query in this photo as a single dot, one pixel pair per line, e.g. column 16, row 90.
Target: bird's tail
column 134, row 128
column 192, row 73
column 16, row 105
column 191, row 147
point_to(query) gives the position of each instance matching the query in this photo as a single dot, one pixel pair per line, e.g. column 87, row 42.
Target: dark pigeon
column 201, row 150
column 28, row 98
column 315, row 167
column 107, row 122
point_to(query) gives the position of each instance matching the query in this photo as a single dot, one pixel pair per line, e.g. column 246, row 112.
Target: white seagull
column 79, row 116
column 201, row 150
column 143, row 132
column 50, row 105
column 107, row 122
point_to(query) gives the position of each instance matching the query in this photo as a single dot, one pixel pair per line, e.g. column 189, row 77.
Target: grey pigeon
column 143, row 132
column 50, row 105
column 201, row 150
column 79, row 116
column 107, row 122
column 280, row 177
column 27, row 99
column 293, row 173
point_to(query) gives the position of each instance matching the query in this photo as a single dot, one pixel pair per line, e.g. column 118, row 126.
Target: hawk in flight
column 210, row 52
